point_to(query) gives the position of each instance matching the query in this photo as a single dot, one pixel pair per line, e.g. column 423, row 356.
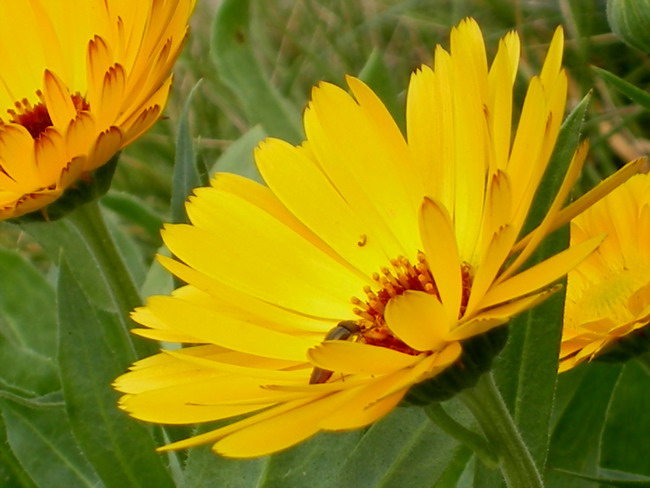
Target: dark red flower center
column 36, row 118
column 392, row 282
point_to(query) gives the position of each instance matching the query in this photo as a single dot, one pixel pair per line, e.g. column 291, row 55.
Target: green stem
column 90, row 226
column 450, row 426
column 83, row 240
column 491, row 413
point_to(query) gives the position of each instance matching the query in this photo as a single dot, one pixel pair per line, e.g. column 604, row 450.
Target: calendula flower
column 608, row 294
column 91, row 78
column 408, row 244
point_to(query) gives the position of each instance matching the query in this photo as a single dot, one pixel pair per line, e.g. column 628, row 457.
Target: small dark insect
column 341, row 332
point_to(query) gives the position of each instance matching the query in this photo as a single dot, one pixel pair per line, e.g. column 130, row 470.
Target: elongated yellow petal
column 541, row 274
column 440, row 248
column 357, row 358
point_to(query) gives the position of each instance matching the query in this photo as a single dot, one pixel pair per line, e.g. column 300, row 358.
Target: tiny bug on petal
column 341, row 332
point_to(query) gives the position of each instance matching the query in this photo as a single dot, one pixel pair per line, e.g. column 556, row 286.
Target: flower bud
column 630, row 21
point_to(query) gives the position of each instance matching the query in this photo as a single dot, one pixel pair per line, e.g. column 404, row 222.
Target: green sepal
column 86, row 190
column 630, row 21
column 476, row 359
column 627, row 347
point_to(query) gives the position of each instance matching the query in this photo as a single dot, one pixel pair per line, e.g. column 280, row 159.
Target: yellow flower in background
column 608, row 294
column 410, row 244
column 80, row 79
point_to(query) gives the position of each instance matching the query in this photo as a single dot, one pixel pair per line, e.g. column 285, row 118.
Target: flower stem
column 489, row 409
column 474, row 441
column 91, row 226
column 83, row 240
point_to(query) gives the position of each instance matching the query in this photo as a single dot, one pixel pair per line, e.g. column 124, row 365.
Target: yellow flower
column 408, row 242
column 79, row 81
column 608, row 294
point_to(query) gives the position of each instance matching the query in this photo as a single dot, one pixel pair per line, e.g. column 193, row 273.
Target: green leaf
column 11, row 471
column 134, row 258
column 28, row 331
column 42, row 441
column 159, row 281
column 456, row 468
column 93, row 351
column 238, row 158
column 632, row 92
column 613, row 478
column 625, row 439
column 240, row 71
column 584, row 395
column 527, row 369
column 186, row 175
column 134, row 211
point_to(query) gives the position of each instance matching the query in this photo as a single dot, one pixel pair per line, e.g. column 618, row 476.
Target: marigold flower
column 92, row 77
column 407, row 244
column 608, row 294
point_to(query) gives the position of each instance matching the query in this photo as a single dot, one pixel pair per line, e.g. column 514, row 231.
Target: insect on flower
column 341, row 332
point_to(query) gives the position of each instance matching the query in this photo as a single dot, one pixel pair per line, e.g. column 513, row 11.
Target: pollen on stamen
column 391, row 282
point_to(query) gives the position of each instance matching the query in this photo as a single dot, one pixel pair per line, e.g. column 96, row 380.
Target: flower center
column 392, row 282
column 36, row 118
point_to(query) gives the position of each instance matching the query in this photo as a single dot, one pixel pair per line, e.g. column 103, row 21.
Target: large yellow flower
column 608, row 295
column 79, row 80
column 405, row 241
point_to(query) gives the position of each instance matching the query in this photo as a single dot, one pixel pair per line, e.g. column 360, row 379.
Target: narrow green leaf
column 456, row 468
column 613, row 478
column 576, row 437
column 186, row 175
column 242, row 74
column 632, row 92
column 11, row 471
column 43, row 443
column 527, row 369
column 93, row 351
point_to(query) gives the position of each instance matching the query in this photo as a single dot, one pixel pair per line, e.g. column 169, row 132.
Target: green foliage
column 64, row 302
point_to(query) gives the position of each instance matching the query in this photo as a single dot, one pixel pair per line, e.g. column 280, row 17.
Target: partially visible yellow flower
column 79, row 80
column 413, row 240
column 608, row 294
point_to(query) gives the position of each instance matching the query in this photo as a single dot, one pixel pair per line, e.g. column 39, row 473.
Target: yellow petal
column 213, row 327
column 541, row 274
column 419, row 320
column 439, row 241
column 356, row 358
